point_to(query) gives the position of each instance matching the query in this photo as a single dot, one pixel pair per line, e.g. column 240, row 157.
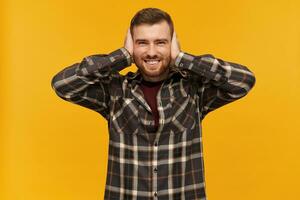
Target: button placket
column 155, row 168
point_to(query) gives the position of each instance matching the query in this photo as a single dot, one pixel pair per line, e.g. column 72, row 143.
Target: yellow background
column 51, row 149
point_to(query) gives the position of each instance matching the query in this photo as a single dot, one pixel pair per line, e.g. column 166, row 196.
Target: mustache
column 152, row 57
column 156, row 56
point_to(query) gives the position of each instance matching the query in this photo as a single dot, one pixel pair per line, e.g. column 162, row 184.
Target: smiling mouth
column 152, row 62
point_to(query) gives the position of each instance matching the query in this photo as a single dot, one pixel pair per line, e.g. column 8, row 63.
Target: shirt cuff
column 184, row 60
column 201, row 65
column 120, row 56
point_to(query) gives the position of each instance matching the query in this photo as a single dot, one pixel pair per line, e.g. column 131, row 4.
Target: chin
column 153, row 71
column 152, row 74
column 156, row 74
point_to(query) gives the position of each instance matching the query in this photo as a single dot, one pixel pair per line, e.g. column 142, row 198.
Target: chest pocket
column 124, row 115
column 183, row 108
column 184, row 114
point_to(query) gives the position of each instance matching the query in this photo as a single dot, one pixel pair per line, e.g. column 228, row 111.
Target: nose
column 151, row 51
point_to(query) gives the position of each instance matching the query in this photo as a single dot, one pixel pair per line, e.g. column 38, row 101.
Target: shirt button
column 155, row 170
column 155, row 144
column 155, row 194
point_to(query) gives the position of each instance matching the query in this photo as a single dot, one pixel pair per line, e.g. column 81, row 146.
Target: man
column 155, row 141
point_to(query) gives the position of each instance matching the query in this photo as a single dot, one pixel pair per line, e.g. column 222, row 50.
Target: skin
column 153, row 42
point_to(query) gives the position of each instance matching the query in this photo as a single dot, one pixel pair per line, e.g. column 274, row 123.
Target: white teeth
column 152, row 62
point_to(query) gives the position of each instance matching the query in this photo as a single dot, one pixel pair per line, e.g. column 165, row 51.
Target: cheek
column 138, row 53
column 167, row 56
column 166, row 52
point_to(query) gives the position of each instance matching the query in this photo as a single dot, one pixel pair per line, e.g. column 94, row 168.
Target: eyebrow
column 143, row 40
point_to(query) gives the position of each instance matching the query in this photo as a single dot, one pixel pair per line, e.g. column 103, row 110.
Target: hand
column 175, row 48
column 128, row 43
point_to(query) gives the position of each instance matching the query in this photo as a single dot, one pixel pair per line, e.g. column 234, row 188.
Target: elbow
column 240, row 89
column 55, row 85
column 54, row 82
column 248, row 84
column 251, row 80
column 247, row 81
column 66, row 83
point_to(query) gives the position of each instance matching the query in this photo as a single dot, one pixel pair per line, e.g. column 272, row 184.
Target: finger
column 125, row 39
column 128, row 32
column 173, row 36
column 176, row 40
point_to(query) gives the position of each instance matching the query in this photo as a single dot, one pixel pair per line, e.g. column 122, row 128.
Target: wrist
column 178, row 58
column 127, row 54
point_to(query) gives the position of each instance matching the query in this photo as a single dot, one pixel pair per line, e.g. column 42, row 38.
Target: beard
column 153, row 71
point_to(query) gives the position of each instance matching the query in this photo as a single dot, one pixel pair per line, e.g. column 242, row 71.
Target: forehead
column 156, row 31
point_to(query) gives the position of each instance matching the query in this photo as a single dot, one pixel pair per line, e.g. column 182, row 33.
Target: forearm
column 231, row 77
column 100, row 66
column 91, row 69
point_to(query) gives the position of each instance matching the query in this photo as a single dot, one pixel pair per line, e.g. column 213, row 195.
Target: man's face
column 152, row 49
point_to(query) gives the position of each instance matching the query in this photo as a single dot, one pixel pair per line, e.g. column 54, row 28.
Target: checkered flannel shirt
column 144, row 164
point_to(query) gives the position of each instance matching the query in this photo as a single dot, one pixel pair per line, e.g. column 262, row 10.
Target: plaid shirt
column 143, row 164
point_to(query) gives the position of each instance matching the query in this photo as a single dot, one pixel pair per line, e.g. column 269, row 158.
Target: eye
column 141, row 43
column 161, row 43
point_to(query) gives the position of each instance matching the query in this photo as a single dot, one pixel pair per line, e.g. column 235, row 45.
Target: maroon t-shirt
column 150, row 90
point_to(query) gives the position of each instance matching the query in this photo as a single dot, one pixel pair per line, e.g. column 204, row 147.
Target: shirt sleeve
column 219, row 82
column 88, row 83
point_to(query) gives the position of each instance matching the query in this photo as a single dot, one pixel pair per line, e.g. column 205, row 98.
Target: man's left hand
column 175, row 48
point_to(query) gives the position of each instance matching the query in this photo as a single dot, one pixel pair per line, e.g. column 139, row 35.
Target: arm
column 88, row 83
column 219, row 82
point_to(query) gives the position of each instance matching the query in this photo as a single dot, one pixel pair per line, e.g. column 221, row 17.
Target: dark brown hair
column 151, row 16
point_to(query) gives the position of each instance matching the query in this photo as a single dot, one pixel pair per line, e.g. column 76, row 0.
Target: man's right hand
column 175, row 48
column 128, row 43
